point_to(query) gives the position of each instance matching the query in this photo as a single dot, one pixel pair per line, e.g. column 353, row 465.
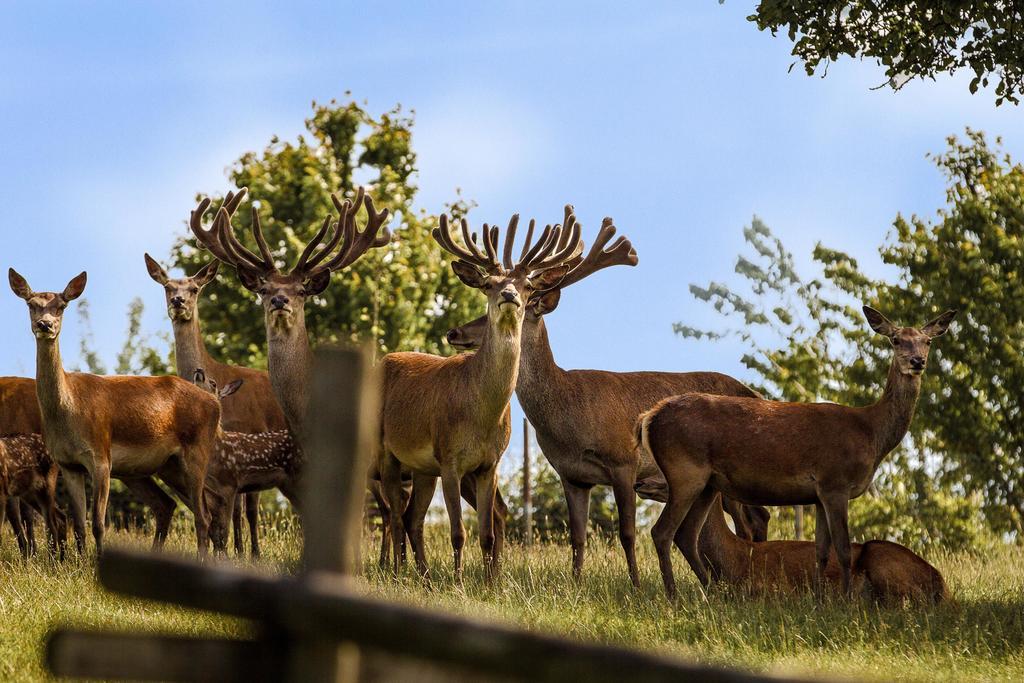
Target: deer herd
column 217, row 434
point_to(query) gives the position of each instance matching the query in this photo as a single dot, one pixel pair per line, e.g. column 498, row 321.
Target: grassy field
column 979, row 636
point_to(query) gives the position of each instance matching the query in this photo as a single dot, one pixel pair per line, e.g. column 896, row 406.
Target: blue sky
column 678, row 119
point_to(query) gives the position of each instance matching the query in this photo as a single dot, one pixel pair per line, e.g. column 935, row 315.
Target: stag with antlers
column 449, row 417
column 584, row 419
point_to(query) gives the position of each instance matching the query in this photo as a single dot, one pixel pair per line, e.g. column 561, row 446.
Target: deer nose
column 917, row 362
column 452, row 336
column 178, row 301
column 44, row 326
column 278, row 302
column 510, row 296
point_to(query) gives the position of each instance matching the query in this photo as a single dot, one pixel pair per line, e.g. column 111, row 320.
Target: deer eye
column 193, row 290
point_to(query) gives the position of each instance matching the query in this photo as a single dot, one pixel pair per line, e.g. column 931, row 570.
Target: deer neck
column 539, row 375
column 290, row 364
column 726, row 554
column 894, row 411
column 52, row 388
column 496, row 364
column 190, row 352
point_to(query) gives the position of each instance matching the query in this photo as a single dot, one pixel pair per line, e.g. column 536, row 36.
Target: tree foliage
column 808, row 341
column 403, row 297
column 911, row 40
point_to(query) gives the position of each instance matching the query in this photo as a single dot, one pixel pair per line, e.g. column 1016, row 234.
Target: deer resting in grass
column 116, row 426
column 888, row 572
column 585, row 419
column 450, row 417
column 245, row 463
column 29, row 475
column 772, row 453
column 253, row 410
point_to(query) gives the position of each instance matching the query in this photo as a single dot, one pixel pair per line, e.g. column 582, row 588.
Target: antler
column 556, row 245
column 354, row 243
column 212, row 238
column 599, row 257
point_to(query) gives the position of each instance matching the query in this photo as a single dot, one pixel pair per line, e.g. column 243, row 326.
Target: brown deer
column 449, row 417
column 585, row 419
column 19, row 415
column 253, row 410
column 889, row 572
column 104, row 426
column 29, row 475
column 771, row 453
column 246, row 462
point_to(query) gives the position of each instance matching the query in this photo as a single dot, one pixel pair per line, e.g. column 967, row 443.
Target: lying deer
column 113, row 426
column 585, row 419
column 449, row 417
column 29, row 475
column 253, row 410
column 889, row 572
column 244, row 463
column 770, row 453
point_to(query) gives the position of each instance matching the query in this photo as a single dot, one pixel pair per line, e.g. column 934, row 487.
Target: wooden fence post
column 343, row 418
column 527, row 487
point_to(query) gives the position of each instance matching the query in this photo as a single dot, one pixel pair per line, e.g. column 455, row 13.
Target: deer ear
column 156, row 271
column 207, row 273
column 546, row 302
column 879, row 323
column 18, row 284
column 550, row 277
column 249, row 280
column 75, row 287
column 938, row 327
column 318, row 283
column 470, row 275
column 231, row 388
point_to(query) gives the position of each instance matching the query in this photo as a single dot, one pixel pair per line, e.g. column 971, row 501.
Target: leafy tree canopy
column 911, row 40
column 808, row 341
column 403, row 297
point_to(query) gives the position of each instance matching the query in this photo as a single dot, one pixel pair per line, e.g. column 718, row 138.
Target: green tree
column 910, row 39
column 403, row 297
column 807, row 340
column 138, row 356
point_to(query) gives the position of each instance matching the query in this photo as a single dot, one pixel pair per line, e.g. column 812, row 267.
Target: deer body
column 888, row 571
column 30, row 475
column 253, row 410
column 773, row 453
column 116, row 426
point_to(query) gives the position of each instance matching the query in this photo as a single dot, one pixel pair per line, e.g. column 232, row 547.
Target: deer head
column 510, row 285
column 182, row 294
column 46, row 309
column 545, row 299
column 284, row 294
column 910, row 344
column 207, row 383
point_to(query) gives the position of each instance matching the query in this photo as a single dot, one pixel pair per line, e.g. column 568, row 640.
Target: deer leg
column 236, row 524
column 13, row 509
column 487, row 488
column 193, row 462
column 836, row 512
column 162, row 506
column 623, row 480
column 822, row 547
column 221, row 505
column 74, row 481
column 578, row 500
column 100, row 496
column 29, row 516
column 391, row 482
column 252, row 517
column 450, row 485
column 682, row 492
column 423, row 487
column 377, row 489
column 500, row 514
column 689, row 533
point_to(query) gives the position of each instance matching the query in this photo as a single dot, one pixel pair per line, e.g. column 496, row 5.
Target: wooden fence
column 317, row 625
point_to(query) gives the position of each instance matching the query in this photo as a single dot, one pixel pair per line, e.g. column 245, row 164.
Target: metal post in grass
column 527, row 487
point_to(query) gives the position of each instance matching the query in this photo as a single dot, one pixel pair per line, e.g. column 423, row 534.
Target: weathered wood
column 343, row 423
column 326, row 605
column 144, row 657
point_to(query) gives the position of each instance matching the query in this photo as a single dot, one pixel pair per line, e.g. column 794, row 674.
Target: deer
column 888, row 572
column 245, row 462
column 20, row 415
column 253, row 410
column 449, row 417
column 28, row 479
column 109, row 426
column 585, row 419
column 765, row 452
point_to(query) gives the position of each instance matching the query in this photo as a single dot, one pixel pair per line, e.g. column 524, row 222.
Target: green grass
column 978, row 636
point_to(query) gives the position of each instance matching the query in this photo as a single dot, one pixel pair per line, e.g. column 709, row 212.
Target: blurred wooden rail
column 315, row 626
